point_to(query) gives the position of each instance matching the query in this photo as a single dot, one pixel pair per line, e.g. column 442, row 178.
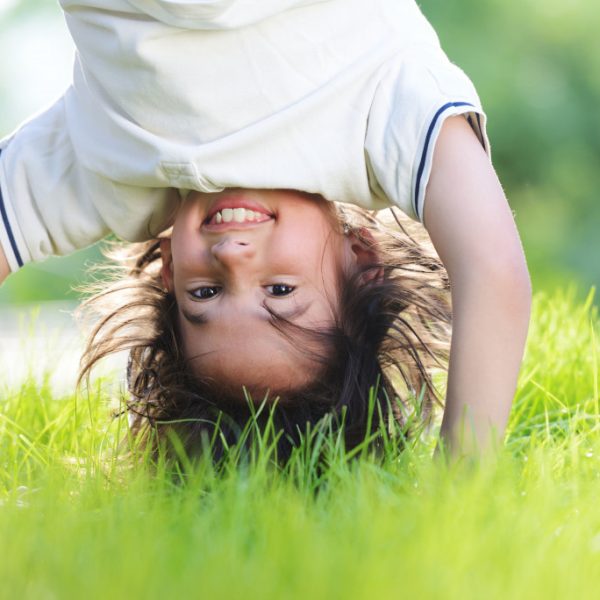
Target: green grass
column 77, row 521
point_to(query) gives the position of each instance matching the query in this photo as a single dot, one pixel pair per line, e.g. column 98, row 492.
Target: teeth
column 238, row 215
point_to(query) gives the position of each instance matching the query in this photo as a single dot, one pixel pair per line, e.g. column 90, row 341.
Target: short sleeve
column 417, row 93
column 46, row 207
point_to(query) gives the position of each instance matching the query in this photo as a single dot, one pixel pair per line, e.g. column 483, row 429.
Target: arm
column 473, row 231
column 4, row 270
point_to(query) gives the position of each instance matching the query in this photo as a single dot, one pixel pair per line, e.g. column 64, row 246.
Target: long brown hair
column 391, row 333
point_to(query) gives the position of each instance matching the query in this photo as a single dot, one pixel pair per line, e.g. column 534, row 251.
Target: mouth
column 236, row 211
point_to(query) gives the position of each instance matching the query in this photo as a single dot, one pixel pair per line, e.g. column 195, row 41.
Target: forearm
column 490, row 323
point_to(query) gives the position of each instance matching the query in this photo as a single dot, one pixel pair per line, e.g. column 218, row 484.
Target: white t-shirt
column 343, row 98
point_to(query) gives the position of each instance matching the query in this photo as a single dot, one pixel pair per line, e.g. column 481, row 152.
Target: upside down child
column 248, row 128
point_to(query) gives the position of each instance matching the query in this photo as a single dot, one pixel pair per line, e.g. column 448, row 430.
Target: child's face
column 237, row 252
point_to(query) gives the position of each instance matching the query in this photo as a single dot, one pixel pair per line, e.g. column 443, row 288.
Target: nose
column 230, row 252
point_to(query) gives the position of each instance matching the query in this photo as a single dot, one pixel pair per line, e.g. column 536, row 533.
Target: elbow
column 509, row 280
column 508, row 270
column 513, row 276
column 501, row 277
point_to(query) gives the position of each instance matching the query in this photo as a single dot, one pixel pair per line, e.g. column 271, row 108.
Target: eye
column 206, row 292
column 280, row 289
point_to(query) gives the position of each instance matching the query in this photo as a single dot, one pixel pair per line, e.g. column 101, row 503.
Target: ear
column 364, row 252
column 167, row 264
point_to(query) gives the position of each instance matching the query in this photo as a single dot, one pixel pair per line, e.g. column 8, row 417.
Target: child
column 219, row 309
column 342, row 98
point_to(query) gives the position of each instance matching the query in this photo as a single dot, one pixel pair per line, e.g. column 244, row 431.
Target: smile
column 236, row 211
column 237, row 215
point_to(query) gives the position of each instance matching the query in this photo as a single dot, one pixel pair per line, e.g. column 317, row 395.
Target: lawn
column 79, row 520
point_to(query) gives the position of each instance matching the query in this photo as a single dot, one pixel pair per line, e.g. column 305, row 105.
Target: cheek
column 187, row 223
column 190, row 341
column 303, row 238
column 188, row 253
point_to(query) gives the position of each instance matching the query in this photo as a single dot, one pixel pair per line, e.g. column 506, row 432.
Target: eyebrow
column 200, row 318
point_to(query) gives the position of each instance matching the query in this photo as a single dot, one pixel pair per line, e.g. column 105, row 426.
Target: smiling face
column 237, row 256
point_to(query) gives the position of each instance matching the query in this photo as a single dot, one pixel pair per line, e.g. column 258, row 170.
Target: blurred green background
column 535, row 63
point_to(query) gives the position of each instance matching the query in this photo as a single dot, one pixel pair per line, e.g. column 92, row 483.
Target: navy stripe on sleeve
column 8, row 228
column 426, row 148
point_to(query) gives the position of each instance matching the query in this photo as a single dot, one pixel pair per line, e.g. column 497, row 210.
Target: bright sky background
column 6, row 5
column 37, row 56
